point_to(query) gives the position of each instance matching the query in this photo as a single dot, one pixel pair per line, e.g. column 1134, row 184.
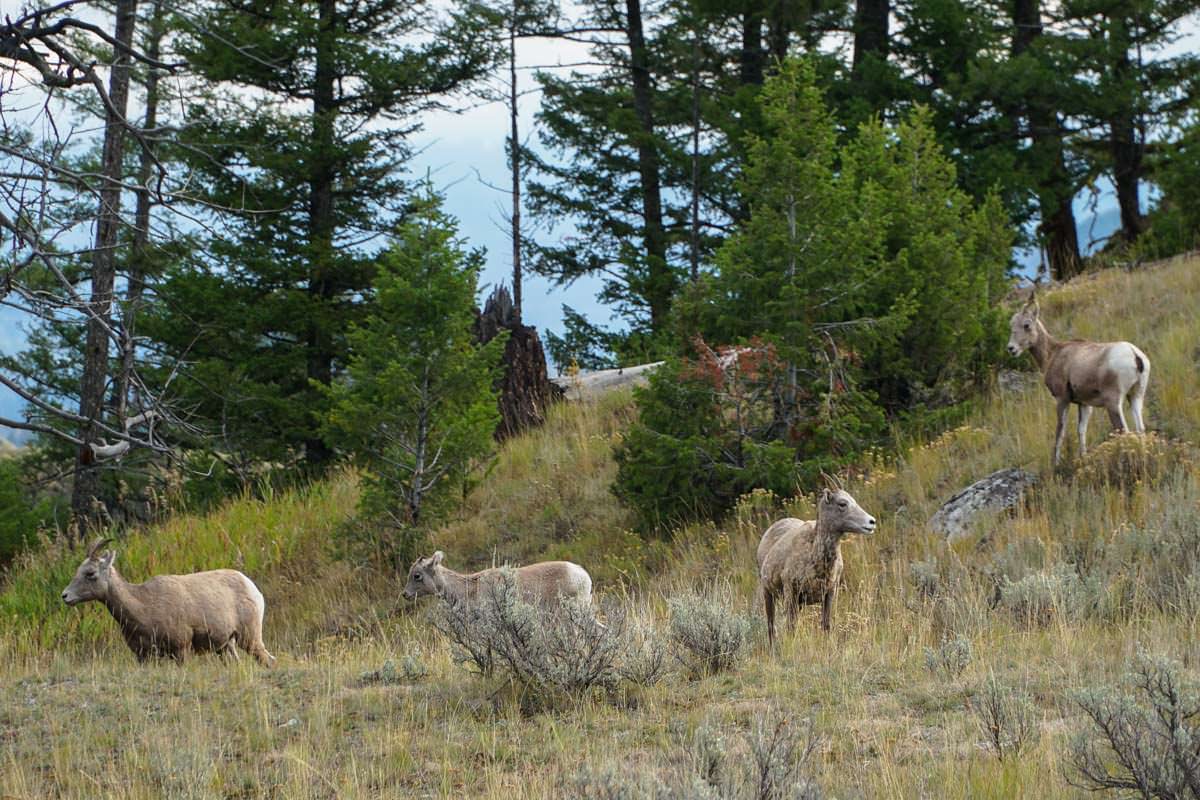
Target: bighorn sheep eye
column 1027, row 326
column 842, row 504
column 417, row 577
column 91, row 575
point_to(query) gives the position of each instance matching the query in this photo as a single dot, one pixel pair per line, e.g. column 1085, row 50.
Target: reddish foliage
column 728, row 365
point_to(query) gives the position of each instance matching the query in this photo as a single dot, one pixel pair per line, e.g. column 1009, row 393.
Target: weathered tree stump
column 525, row 388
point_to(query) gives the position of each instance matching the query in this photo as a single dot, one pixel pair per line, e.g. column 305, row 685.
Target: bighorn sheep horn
column 96, row 545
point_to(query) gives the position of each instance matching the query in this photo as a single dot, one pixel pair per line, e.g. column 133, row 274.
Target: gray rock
column 996, row 492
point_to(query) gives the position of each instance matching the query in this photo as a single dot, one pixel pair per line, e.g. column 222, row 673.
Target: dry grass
column 78, row 717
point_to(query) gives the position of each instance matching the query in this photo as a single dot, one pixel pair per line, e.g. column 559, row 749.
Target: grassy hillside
column 1045, row 602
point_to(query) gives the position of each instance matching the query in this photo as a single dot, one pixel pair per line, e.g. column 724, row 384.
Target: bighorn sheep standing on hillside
column 543, row 583
column 174, row 615
column 800, row 561
column 1087, row 374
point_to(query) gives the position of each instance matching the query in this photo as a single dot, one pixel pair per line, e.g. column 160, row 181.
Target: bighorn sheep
column 1087, row 374
column 174, row 615
column 543, row 583
column 800, row 561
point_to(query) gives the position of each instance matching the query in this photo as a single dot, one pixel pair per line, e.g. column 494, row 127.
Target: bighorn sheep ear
column 826, row 496
column 108, row 558
column 96, row 545
column 436, row 558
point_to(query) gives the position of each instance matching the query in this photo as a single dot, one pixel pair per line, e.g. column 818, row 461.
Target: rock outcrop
column 996, row 492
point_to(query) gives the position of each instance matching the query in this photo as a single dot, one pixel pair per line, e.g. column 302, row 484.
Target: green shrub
column 688, row 457
column 22, row 514
column 862, row 289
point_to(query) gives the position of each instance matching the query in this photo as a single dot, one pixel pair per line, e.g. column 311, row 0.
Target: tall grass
column 1116, row 561
column 278, row 540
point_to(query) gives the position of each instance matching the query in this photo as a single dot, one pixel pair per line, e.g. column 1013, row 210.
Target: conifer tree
column 300, row 141
column 862, row 287
column 416, row 406
column 1135, row 89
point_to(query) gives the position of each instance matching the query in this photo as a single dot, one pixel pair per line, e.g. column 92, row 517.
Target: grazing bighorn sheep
column 174, row 615
column 800, row 561
column 1087, row 374
column 543, row 583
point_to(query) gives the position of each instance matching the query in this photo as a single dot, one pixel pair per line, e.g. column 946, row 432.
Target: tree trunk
column 751, row 71
column 515, row 155
column 779, row 30
column 95, row 366
column 319, row 342
column 695, row 232
column 525, row 390
column 1125, row 145
column 871, row 18
column 141, row 219
column 661, row 283
column 417, row 490
column 1056, row 194
column 1127, row 171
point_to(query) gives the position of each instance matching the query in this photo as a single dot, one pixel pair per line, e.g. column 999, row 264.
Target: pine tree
column 1038, row 95
column 65, row 358
column 1137, row 89
column 606, row 126
column 797, row 267
column 417, row 406
column 644, row 154
column 306, row 167
column 863, row 286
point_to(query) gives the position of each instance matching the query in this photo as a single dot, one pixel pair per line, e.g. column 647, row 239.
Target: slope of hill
column 368, row 701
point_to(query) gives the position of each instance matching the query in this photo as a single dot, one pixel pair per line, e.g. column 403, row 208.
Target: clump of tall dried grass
column 1125, row 461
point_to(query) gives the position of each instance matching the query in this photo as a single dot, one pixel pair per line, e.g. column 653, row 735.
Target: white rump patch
column 256, row 596
column 580, row 582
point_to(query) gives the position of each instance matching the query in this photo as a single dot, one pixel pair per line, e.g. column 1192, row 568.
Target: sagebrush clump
column 410, row 670
column 1142, row 736
column 1042, row 597
column 770, row 762
column 563, row 650
column 1151, row 566
column 1006, row 717
column 709, row 634
column 950, row 658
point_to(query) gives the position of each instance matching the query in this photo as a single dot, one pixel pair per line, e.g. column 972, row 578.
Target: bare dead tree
column 104, row 271
column 141, row 222
column 49, row 67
